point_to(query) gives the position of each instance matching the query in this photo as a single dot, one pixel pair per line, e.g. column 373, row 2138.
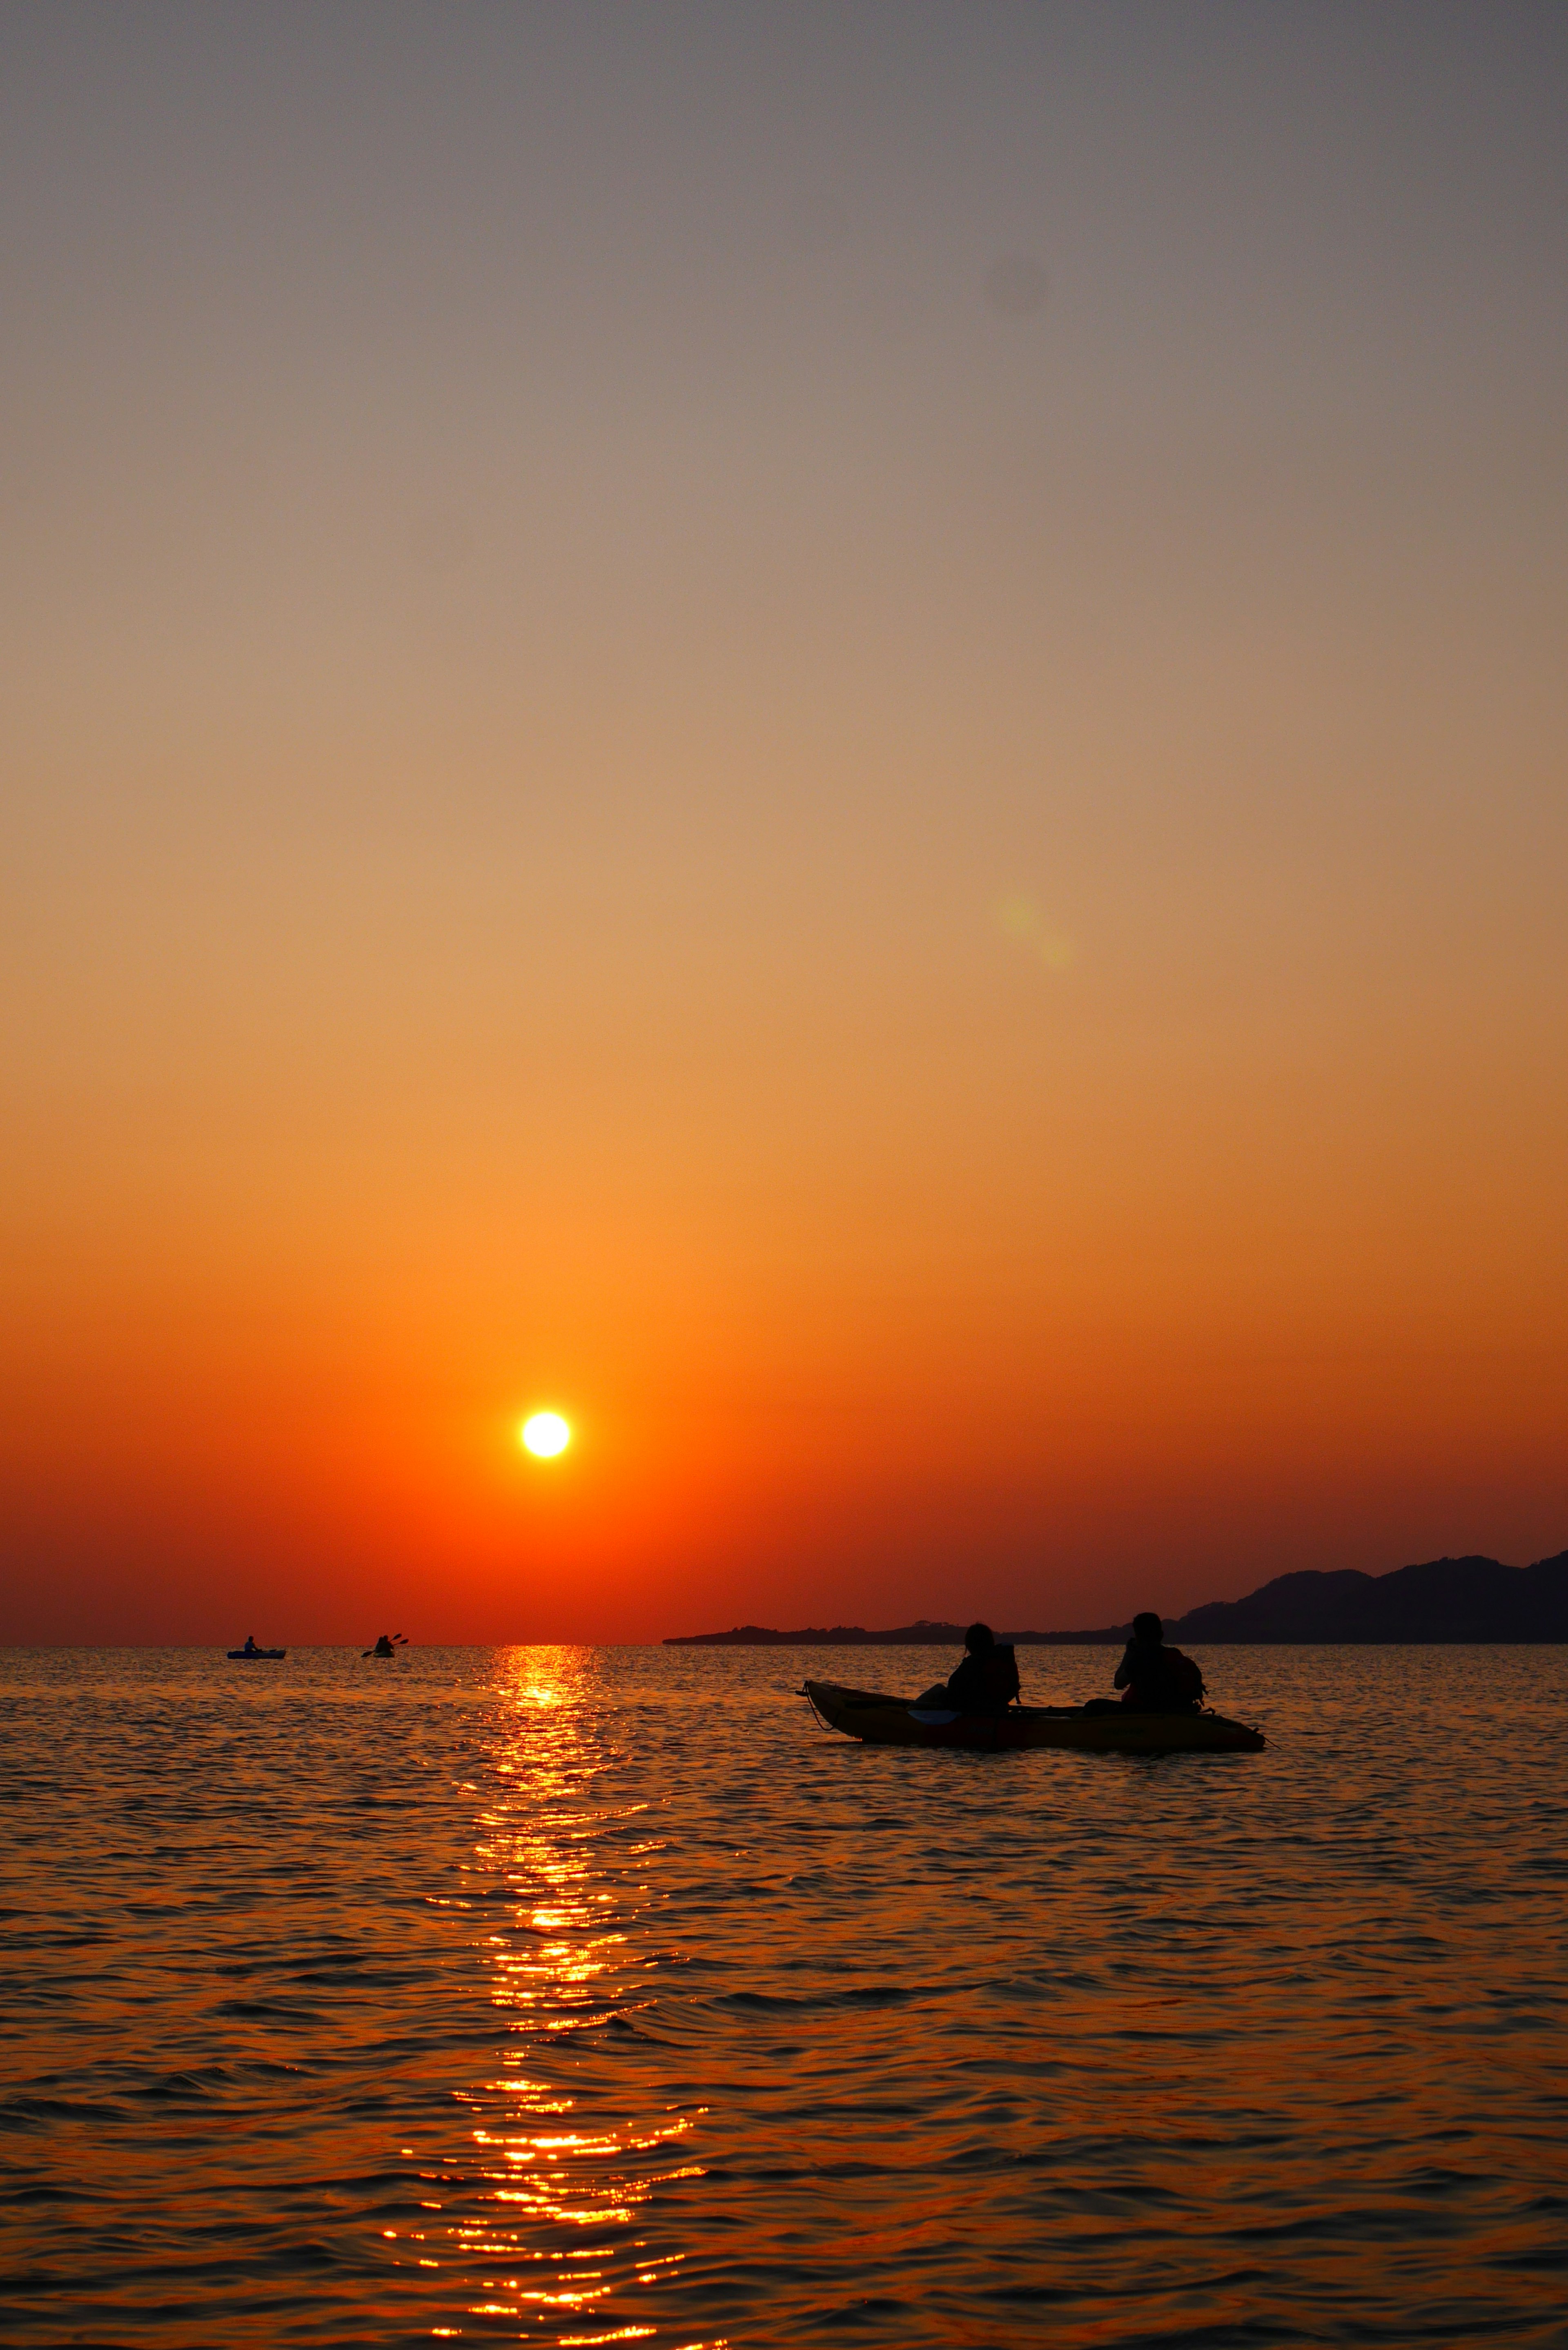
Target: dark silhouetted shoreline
column 1447, row 1599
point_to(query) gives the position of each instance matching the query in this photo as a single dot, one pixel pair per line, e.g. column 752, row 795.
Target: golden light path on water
column 556, row 2241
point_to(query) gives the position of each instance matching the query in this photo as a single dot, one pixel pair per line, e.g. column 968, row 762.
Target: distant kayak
column 257, row 1656
column 881, row 1721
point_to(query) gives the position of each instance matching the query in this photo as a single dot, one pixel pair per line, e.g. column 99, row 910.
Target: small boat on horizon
column 1103, row 1729
column 251, row 1655
column 386, row 1644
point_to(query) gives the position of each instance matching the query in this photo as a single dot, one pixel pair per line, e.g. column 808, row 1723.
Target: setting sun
column 545, row 1434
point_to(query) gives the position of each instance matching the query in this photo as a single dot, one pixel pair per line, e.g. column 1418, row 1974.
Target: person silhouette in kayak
column 986, row 1681
column 1155, row 1679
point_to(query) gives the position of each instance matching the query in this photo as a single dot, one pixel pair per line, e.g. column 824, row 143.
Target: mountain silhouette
column 1444, row 1599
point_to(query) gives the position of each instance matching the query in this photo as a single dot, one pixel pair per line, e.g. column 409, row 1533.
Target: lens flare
column 545, row 1434
column 1021, row 919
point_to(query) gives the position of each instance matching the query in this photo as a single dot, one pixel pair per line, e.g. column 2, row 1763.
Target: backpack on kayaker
column 1003, row 1663
column 986, row 1681
column 1183, row 1677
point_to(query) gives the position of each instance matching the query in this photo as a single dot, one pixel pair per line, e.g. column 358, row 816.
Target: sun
column 545, row 1435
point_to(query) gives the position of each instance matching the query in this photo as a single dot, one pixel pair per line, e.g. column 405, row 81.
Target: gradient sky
column 834, row 734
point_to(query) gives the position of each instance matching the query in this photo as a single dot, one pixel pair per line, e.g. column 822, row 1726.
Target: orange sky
column 836, row 737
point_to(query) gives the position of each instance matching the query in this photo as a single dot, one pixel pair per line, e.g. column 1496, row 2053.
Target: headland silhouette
column 1444, row 1599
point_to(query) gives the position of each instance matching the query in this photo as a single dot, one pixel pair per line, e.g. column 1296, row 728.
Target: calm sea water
column 578, row 1996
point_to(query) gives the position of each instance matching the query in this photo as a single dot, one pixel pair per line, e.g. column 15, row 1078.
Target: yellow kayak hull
column 881, row 1721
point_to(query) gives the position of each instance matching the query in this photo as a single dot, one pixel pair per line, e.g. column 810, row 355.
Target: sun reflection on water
column 549, row 2225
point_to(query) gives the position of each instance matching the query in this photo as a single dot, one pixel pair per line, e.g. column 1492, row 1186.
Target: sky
column 832, row 734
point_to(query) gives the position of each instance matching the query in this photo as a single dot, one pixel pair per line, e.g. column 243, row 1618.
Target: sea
column 584, row 1996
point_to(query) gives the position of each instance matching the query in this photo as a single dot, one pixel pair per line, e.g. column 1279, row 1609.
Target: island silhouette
column 1445, row 1599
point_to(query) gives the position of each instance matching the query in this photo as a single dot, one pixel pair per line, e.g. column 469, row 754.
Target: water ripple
column 576, row 1997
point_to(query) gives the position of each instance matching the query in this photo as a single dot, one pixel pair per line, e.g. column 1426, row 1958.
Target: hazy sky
column 834, row 734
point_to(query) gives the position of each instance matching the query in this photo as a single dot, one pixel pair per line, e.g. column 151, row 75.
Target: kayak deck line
column 877, row 1719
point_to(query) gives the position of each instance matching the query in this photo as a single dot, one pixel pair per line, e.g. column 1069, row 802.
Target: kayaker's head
column 978, row 1638
column 1148, row 1627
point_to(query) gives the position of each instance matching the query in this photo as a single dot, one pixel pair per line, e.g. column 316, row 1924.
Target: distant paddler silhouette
column 387, row 1646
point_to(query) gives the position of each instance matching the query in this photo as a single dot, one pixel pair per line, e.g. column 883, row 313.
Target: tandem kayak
column 894, row 1721
column 257, row 1656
